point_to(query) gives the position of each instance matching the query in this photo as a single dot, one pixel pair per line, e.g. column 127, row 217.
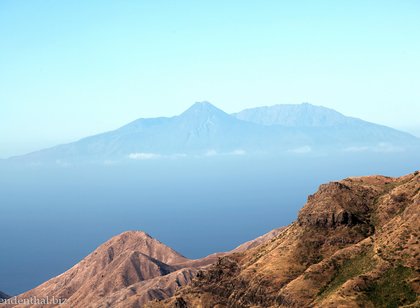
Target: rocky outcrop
column 355, row 244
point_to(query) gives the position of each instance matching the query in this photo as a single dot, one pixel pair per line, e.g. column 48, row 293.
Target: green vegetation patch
column 349, row 269
column 392, row 289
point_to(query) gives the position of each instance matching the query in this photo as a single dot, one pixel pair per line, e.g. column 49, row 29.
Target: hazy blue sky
column 74, row 68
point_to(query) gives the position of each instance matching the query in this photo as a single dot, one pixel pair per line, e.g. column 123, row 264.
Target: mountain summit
column 303, row 115
column 201, row 108
column 201, row 114
column 132, row 266
column 204, row 128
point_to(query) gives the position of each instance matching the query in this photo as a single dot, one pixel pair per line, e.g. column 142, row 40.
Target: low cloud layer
column 143, row 156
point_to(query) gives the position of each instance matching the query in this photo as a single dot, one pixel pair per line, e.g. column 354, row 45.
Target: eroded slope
column 355, row 244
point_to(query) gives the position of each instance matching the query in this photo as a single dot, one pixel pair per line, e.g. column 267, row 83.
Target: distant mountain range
column 205, row 130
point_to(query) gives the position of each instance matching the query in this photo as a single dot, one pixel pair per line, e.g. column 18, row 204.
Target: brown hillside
column 127, row 271
column 355, row 244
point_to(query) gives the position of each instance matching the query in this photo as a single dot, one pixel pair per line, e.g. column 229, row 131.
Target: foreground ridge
column 355, row 244
column 129, row 270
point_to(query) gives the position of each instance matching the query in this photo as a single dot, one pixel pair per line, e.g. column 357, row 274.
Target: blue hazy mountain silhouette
column 203, row 129
column 303, row 115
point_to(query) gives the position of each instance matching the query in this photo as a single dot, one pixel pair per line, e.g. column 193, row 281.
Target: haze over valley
column 184, row 154
column 224, row 189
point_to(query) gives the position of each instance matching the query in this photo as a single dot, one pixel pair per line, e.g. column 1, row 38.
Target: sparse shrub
column 399, row 198
column 392, row 289
column 348, row 270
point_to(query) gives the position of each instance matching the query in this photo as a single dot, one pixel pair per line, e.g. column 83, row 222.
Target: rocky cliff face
column 355, row 244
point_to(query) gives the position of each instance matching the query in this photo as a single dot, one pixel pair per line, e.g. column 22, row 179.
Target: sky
column 73, row 68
